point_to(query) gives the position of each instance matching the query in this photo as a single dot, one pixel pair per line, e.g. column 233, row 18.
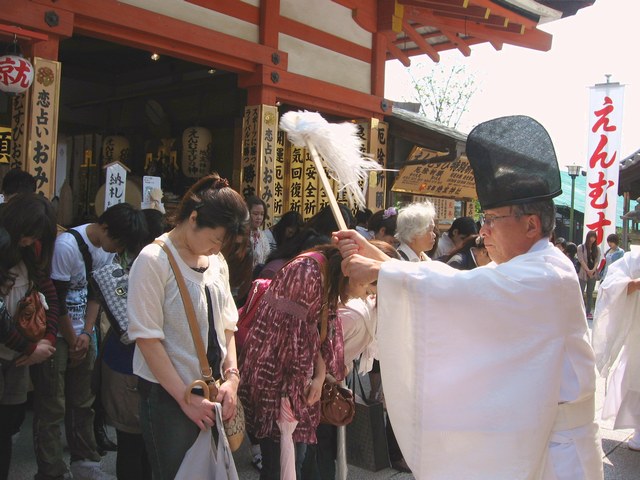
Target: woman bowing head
column 209, row 216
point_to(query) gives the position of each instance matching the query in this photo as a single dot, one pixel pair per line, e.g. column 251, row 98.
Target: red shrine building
column 178, row 88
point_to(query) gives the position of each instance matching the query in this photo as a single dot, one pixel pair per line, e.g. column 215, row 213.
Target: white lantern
column 197, row 144
column 16, row 74
column 115, row 148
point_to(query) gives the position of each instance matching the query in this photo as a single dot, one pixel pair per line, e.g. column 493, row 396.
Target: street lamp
column 574, row 171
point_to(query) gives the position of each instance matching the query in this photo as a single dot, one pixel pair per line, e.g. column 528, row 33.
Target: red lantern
column 16, row 73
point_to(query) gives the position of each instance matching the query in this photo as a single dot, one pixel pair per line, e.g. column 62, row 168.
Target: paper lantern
column 115, row 148
column 197, row 144
column 16, row 74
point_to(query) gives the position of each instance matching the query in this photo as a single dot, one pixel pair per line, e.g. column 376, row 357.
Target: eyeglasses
column 488, row 220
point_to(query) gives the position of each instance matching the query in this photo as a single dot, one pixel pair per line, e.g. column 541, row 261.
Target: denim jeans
column 63, row 393
column 168, row 433
column 588, row 299
column 271, row 459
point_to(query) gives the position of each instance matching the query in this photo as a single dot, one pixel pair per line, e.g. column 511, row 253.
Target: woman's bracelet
column 231, row 371
column 83, row 332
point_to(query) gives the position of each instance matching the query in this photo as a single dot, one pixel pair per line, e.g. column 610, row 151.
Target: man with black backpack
column 63, row 384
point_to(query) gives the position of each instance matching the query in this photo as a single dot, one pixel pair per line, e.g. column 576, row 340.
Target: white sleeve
column 145, row 297
column 352, row 323
column 228, row 307
column 64, row 263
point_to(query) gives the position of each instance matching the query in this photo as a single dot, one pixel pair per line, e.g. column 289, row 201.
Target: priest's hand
column 361, row 269
column 633, row 285
column 351, row 242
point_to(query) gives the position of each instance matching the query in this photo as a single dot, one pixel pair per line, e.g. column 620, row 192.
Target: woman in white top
column 165, row 360
column 415, row 231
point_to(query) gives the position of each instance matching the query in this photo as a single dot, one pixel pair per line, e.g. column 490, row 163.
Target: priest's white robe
column 616, row 342
column 475, row 365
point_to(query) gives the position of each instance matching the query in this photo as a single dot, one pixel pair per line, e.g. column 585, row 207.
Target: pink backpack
column 247, row 312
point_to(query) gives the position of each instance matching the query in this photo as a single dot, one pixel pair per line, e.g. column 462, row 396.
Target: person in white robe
column 616, row 342
column 489, row 373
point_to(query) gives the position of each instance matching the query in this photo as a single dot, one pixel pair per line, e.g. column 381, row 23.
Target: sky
column 553, row 86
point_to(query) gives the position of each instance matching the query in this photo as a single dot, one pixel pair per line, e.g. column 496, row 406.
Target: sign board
column 115, row 185
column 40, row 155
column 449, row 179
column 149, row 184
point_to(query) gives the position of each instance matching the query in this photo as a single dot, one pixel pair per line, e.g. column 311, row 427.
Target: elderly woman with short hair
column 414, row 231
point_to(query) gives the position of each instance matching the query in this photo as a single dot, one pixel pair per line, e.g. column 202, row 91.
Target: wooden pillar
column 47, row 49
column 259, row 144
column 378, row 62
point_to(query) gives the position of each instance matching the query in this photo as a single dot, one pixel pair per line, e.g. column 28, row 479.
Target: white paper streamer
column 338, row 146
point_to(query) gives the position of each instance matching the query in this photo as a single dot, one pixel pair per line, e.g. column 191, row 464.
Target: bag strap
column 321, row 260
column 205, row 368
column 86, row 256
column 357, row 382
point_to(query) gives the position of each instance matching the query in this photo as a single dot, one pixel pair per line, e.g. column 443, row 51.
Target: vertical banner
column 323, row 199
column 311, row 186
column 376, row 193
column 249, row 161
column 605, row 122
column 5, row 145
column 40, row 160
column 259, row 140
column 19, row 122
column 116, row 184
column 296, row 177
column 267, row 157
column 279, row 186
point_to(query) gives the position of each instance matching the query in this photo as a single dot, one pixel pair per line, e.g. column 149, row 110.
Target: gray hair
column 413, row 220
column 544, row 209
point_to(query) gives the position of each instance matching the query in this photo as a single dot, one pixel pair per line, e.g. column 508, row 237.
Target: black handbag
column 366, row 435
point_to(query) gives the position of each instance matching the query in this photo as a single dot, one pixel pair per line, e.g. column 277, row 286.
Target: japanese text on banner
column 605, row 120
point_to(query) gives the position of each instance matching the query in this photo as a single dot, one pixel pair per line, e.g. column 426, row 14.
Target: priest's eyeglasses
column 488, row 220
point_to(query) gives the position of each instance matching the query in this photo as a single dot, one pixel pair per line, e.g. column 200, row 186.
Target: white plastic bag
column 205, row 460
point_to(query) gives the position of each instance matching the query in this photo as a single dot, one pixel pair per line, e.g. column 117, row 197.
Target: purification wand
column 338, row 145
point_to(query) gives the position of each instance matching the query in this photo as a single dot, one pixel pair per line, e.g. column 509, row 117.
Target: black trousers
column 11, row 418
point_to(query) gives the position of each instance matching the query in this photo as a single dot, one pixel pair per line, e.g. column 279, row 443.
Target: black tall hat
column 513, row 162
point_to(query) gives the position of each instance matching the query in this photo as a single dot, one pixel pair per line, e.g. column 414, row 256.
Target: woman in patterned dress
column 284, row 355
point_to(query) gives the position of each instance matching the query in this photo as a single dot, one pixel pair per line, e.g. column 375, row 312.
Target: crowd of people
column 476, row 339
